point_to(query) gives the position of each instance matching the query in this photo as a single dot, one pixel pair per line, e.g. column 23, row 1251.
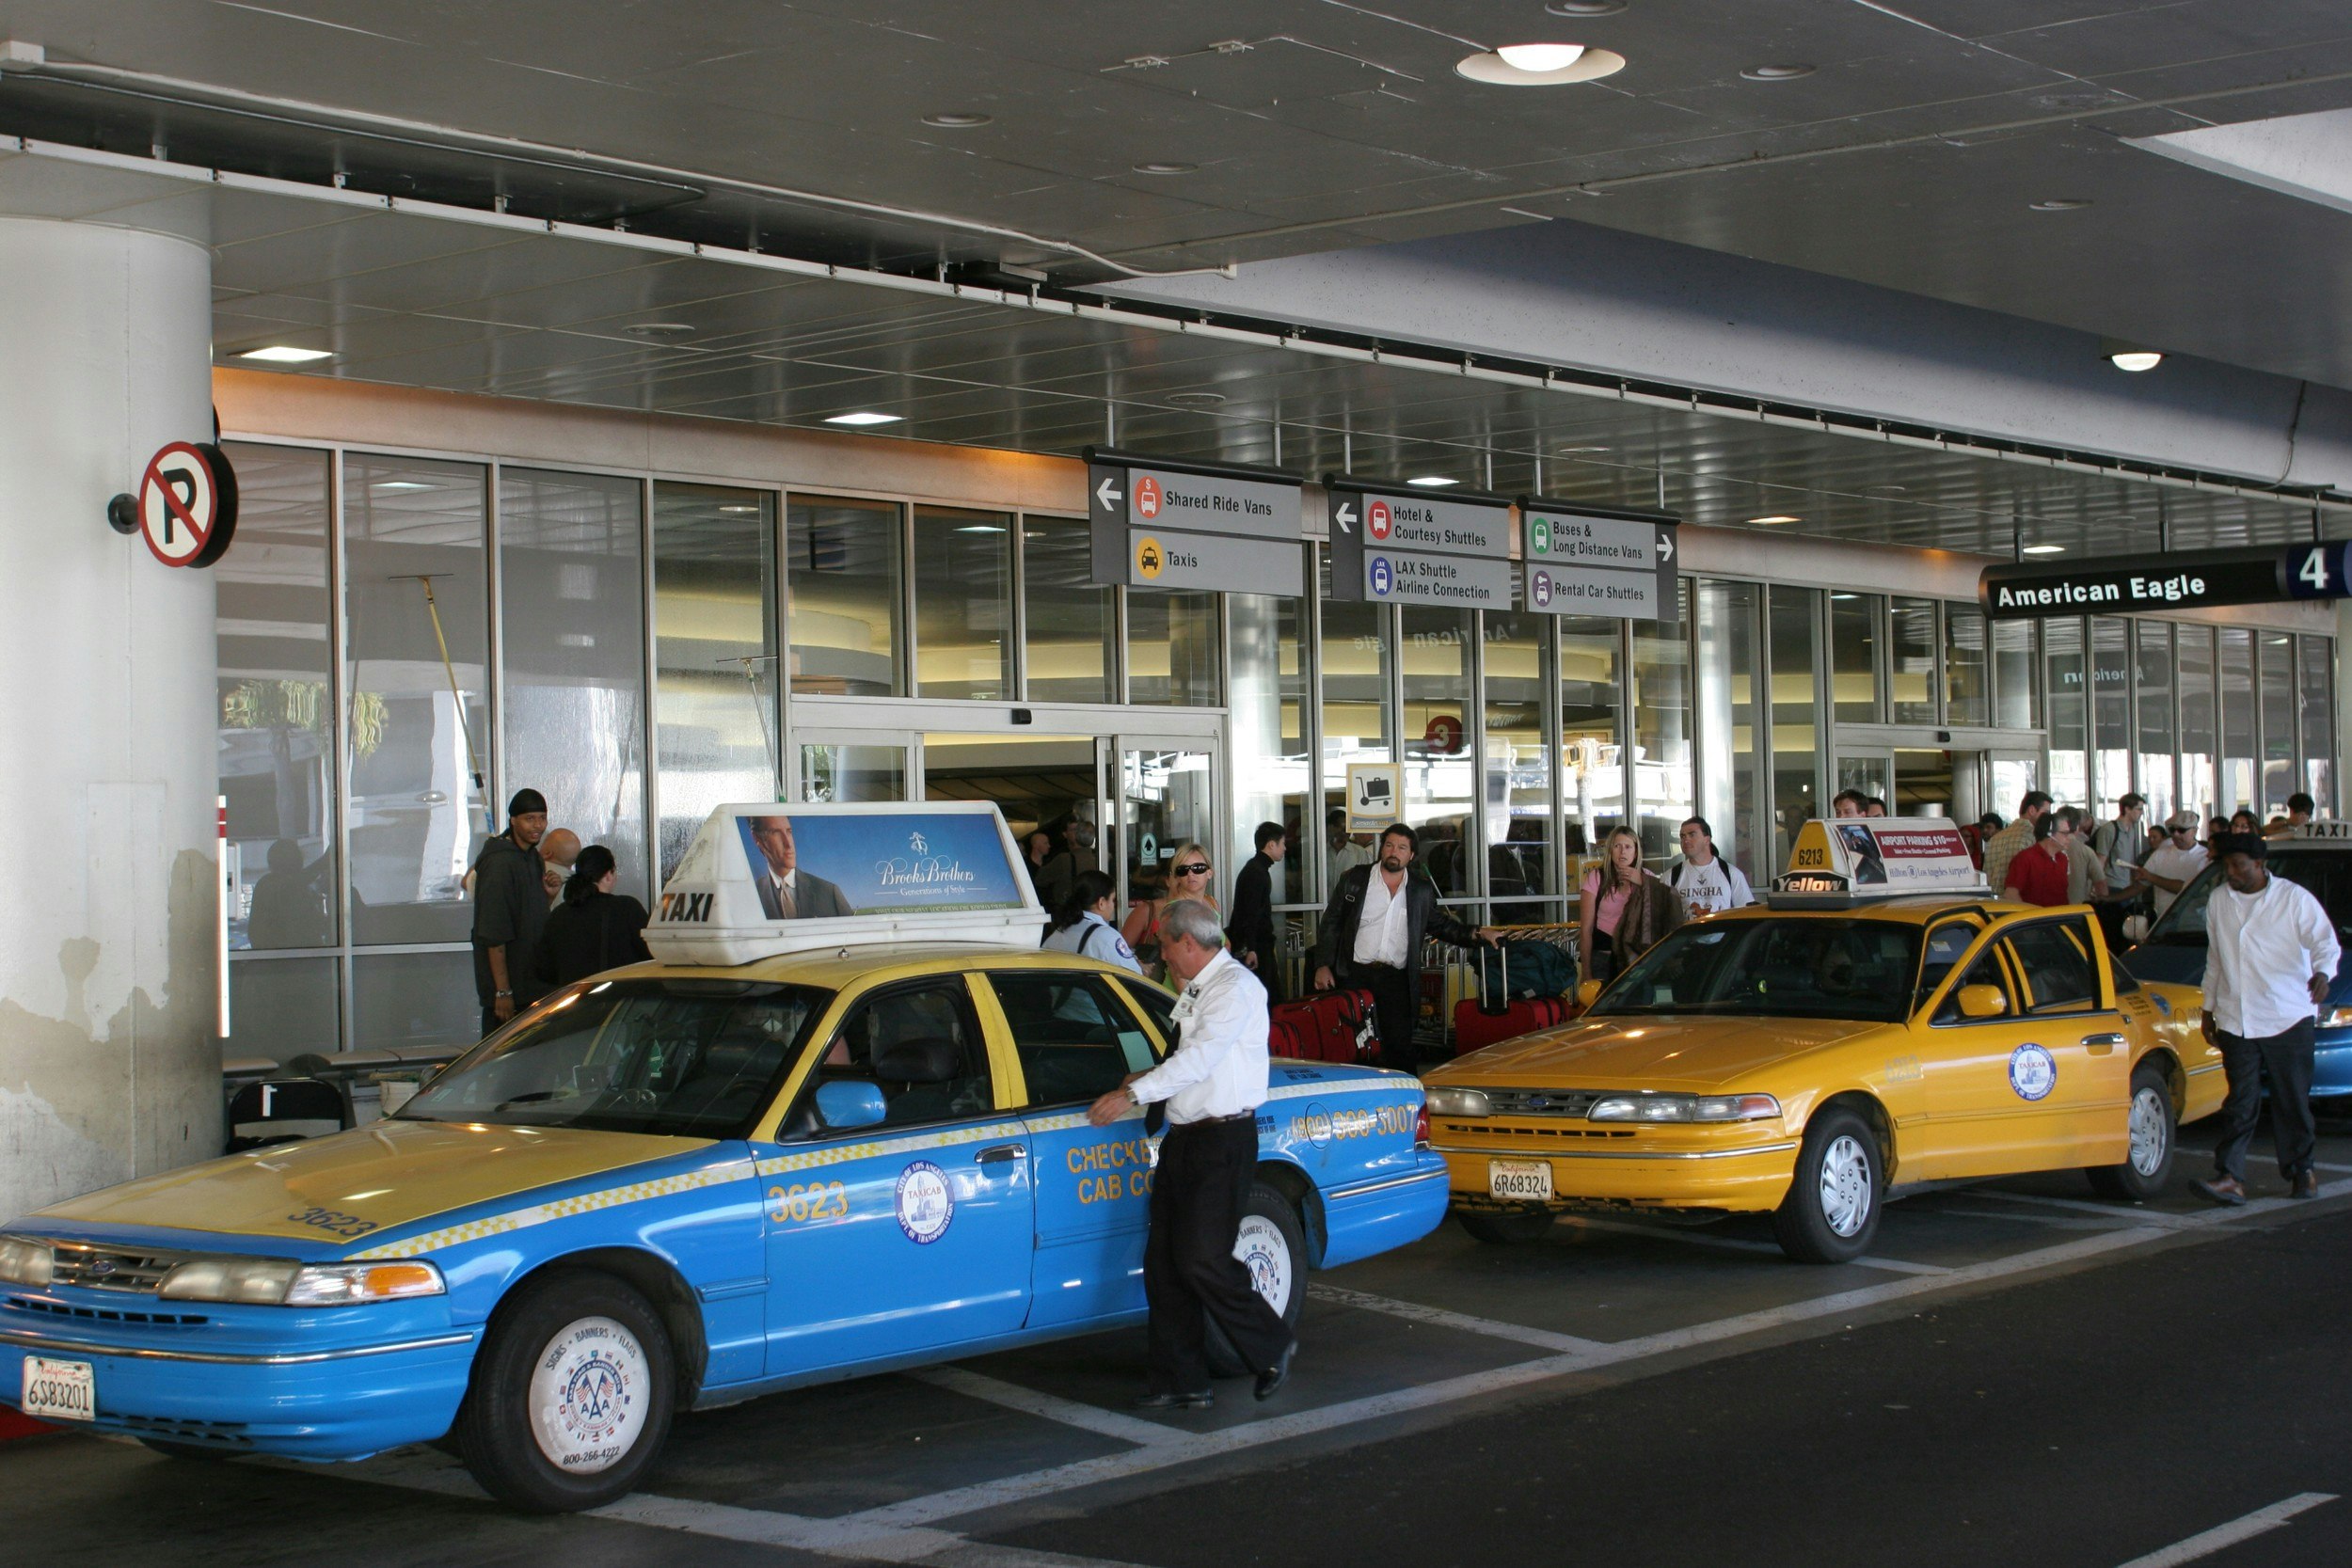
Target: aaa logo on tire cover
column 925, row 1202
column 2032, row 1071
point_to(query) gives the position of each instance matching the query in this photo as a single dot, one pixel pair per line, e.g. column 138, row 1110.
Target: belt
column 1212, row 1121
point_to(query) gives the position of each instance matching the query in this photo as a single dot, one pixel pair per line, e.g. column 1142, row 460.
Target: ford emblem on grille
column 102, row 1266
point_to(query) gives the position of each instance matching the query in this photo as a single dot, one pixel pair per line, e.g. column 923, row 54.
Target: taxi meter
column 1842, row 859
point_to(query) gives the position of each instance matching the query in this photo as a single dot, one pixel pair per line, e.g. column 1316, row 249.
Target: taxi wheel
column 1273, row 1245
column 572, row 1395
column 1832, row 1209
column 1508, row 1228
column 2147, row 1170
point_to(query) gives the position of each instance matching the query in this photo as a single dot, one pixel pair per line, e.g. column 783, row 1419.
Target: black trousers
column 2287, row 1058
column 1396, row 1005
column 1190, row 1274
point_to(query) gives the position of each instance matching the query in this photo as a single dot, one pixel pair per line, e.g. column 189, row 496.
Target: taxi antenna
column 473, row 758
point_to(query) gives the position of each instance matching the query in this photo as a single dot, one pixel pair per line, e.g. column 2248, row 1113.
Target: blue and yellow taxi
column 787, row 1150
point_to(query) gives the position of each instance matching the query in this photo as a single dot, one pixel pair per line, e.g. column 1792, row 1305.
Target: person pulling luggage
column 1371, row 936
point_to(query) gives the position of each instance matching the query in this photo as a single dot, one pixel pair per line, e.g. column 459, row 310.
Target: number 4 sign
column 2319, row 571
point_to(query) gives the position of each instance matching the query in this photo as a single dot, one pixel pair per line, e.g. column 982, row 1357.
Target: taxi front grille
column 1541, row 1103
column 105, row 1314
column 132, row 1270
column 1487, row 1127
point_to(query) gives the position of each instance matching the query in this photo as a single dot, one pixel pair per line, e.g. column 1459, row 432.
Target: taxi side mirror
column 1588, row 993
column 851, row 1102
column 1982, row 1001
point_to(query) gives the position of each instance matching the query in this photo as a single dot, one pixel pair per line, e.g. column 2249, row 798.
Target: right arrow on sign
column 1665, row 544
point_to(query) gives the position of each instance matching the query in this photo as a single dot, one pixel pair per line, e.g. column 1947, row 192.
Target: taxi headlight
column 256, row 1281
column 2335, row 1018
column 1684, row 1107
column 282, row 1282
column 1459, row 1103
column 23, row 1262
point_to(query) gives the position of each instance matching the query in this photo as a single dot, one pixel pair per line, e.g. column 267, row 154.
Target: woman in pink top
column 1623, row 908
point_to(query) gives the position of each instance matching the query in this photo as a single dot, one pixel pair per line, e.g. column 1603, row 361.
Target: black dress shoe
column 2226, row 1190
column 1200, row 1401
column 1277, row 1374
column 2306, row 1185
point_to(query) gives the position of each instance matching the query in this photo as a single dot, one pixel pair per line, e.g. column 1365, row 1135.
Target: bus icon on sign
column 1377, row 520
column 1383, row 575
column 1147, row 497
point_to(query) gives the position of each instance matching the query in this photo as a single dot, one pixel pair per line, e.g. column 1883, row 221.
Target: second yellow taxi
column 1880, row 1022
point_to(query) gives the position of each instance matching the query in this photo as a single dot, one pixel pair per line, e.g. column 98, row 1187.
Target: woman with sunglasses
column 1189, row 876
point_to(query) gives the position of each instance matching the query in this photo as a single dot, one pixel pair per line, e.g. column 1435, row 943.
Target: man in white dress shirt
column 2270, row 957
column 1214, row 1083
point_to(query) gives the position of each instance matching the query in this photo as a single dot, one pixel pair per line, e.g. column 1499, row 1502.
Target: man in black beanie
column 509, row 912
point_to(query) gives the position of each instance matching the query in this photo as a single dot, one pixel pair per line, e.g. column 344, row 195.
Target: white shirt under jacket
column 2261, row 950
column 1381, row 932
column 1219, row 1068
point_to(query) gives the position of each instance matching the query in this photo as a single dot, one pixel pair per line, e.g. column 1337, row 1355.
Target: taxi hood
column 1667, row 1051
column 352, row 1185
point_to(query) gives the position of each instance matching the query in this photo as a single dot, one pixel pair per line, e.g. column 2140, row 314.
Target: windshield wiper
column 523, row 1099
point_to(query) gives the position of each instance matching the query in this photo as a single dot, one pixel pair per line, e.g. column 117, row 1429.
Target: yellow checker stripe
column 563, row 1208
column 778, row 1164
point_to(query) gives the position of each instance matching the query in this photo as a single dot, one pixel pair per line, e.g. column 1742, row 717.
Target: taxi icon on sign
column 1148, row 558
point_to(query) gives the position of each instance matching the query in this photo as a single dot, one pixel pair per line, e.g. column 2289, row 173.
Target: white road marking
column 1438, row 1316
column 2115, row 1214
column 1733, row 1244
column 2246, row 1527
column 2048, row 1222
column 1109, row 1423
column 2341, row 1170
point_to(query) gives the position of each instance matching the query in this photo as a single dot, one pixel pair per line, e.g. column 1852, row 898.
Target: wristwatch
column 502, row 993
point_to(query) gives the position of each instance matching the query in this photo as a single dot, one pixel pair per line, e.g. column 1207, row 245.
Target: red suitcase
column 1477, row 1022
column 1327, row 1026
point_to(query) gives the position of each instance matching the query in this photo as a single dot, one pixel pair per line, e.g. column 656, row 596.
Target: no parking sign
column 187, row 504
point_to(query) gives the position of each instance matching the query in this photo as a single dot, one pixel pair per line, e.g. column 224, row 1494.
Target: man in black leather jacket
column 1371, row 937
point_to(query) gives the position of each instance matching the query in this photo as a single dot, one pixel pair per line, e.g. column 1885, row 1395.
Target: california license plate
column 1520, row 1180
column 60, row 1391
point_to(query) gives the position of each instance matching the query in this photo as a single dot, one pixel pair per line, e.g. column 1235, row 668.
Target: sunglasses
column 1195, row 869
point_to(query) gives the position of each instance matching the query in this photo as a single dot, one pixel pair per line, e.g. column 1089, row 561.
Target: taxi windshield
column 683, row 1058
column 1797, row 967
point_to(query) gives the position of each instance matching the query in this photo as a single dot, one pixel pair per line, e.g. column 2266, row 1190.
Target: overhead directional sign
column 1583, row 561
column 1162, row 525
column 2262, row 574
column 1392, row 546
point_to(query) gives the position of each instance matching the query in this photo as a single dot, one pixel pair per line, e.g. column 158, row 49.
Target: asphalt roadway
column 2020, row 1374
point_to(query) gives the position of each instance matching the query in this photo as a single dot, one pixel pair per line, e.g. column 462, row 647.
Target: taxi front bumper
column 1741, row 1178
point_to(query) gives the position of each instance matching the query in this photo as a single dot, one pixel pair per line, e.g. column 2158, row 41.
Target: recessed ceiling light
column 660, row 329
column 958, row 120
column 2135, row 359
column 1775, row 517
column 740, row 511
column 400, row 484
column 282, row 353
column 1786, row 71
column 1585, row 8
column 1197, row 399
column 981, row 528
column 1490, row 67
column 1566, row 449
column 2062, row 204
column 1165, row 168
column 864, row 416
column 1540, row 57
column 2045, row 549
column 1431, row 482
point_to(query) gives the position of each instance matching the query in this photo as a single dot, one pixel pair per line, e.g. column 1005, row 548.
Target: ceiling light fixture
column 956, row 121
column 2135, row 359
column 1565, row 450
column 660, row 329
column 400, row 484
column 1775, row 518
column 1165, row 168
column 2062, row 204
column 1585, row 8
column 1197, row 399
column 283, row 353
column 981, row 528
column 1498, row 68
column 1787, row 71
column 864, row 416
column 740, row 511
column 2045, row 549
column 1431, row 482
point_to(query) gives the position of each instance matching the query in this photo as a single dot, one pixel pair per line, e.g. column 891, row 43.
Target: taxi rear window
column 682, row 1057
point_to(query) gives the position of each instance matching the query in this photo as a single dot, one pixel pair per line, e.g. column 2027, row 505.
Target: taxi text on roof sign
column 764, row 880
column 1878, row 857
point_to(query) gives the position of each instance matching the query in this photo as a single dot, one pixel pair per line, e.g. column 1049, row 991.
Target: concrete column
column 109, row 1057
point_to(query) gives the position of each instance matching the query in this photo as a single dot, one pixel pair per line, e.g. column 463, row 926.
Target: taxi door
column 2084, row 1116
column 1969, row 1108
column 1075, row 1041
column 908, row 1235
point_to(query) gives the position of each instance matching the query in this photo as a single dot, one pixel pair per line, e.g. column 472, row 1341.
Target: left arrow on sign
column 1345, row 516
column 1108, row 497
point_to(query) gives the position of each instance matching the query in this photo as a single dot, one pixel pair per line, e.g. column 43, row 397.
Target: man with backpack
column 1704, row 881
column 2121, row 845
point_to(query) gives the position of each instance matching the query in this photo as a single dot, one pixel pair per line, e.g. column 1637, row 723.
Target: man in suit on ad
column 786, row 892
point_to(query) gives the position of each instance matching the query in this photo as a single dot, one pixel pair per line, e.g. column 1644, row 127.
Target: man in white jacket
column 2270, row 957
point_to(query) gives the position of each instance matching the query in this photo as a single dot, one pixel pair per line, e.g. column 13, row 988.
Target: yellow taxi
column 1880, row 1021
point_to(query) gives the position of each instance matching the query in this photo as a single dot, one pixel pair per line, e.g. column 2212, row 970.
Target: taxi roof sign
column 764, row 880
column 2329, row 830
column 1848, row 858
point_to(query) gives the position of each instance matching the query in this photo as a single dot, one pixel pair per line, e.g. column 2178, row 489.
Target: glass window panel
column 2157, row 742
column 1857, row 653
column 1517, row 766
column 714, row 618
column 1966, row 674
column 413, row 999
column 847, row 773
column 2237, row 707
column 1727, row 729
column 841, row 590
column 1171, row 648
column 1661, row 707
column 2110, row 712
column 963, row 604
column 1911, row 661
column 1796, row 656
column 2276, row 651
column 572, row 586
column 272, row 647
column 2016, row 691
column 1592, row 760
column 2196, row 781
column 2069, row 697
column 1439, row 775
column 2320, row 722
column 287, row 1007
column 1272, row 772
column 1068, row 620
column 1355, row 675
column 417, row 731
